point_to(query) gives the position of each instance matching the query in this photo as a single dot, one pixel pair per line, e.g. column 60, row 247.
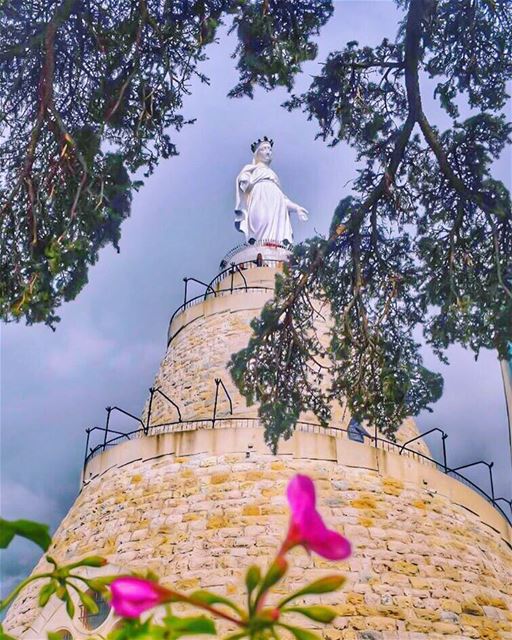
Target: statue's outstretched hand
column 302, row 213
column 293, row 207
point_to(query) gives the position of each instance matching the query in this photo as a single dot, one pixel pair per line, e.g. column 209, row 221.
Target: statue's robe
column 261, row 211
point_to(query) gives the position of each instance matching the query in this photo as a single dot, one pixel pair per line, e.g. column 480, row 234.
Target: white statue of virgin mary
column 262, row 209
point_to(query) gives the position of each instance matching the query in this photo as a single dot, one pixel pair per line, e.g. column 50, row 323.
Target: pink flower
column 132, row 596
column 306, row 525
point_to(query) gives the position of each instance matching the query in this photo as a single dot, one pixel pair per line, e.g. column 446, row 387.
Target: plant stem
column 173, row 595
column 7, row 601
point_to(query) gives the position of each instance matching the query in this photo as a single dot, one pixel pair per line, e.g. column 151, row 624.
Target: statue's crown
column 256, row 144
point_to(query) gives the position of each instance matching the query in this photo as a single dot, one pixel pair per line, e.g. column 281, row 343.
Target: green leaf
column 315, row 612
column 46, row 592
column 252, row 578
column 189, row 626
column 70, row 606
column 134, row 629
column 53, row 635
column 236, row 636
column 151, row 575
column 301, row 634
column 88, row 602
column 209, row 598
column 5, row 636
column 276, row 571
column 61, row 592
column 34, row 531
column 99, row 584
column 90, row 561
column 324, row 585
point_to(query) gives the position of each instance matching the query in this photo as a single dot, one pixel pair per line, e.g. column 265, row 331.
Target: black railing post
column 491, row 465
column 152, row 392
column 376, row 439
column 227, row 396
column 232, row 276
column 422, row 435
column 185, row 280
column 208, row 287
column 235, row 266
column 127, row 413
column 158, row 390
column 445, row 463
column 217, row 382
column 108, row 410
column 88, row 432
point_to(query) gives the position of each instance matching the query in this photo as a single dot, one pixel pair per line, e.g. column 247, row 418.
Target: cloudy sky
column 109, row 343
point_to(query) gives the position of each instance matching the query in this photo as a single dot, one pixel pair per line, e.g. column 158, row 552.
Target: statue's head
column 262, row 150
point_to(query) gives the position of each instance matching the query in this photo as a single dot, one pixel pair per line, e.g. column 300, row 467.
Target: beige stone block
column 409, row 563
column 251, row 510
column 407, row 568
column 392, row 486
column 392, row 612
column 421, row 626
column 364, row 502
column 219, row 478
column 472, row 621
column 346, row 610
column 449, row 604
column 491, row 601
column 472, row 608
column 427, row 614
column 381, row 623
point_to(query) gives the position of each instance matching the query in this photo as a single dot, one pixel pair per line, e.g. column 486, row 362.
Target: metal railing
column 220, row 292
column 307, row 427
column 152, row 391
column 219, row 383
column 273, row 244
column 210, row 287
column 240, row 267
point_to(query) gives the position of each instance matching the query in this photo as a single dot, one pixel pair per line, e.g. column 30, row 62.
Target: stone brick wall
column 203, row 339
column 431, row 558
column 196, row 356
column 423, row 567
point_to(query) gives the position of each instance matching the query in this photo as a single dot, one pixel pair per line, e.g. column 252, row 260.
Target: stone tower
column 196, row 496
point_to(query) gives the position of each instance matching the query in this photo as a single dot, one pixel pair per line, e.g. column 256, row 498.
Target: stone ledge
column 395, row 469
column 252, row 300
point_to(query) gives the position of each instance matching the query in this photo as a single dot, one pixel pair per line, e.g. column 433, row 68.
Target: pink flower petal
column 307, row 527
column 132, row 596
column 301, row 493
column 331, row 545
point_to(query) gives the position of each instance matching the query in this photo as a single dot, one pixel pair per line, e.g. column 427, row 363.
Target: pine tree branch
column 412, row 56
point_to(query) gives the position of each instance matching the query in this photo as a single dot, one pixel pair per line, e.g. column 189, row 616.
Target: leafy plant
column 91, row 94
column 424, row 241
column 133, row 595
column 34, row 531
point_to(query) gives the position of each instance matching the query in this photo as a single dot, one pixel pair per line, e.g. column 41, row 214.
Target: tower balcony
column 225, row 436
column 194, row 407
